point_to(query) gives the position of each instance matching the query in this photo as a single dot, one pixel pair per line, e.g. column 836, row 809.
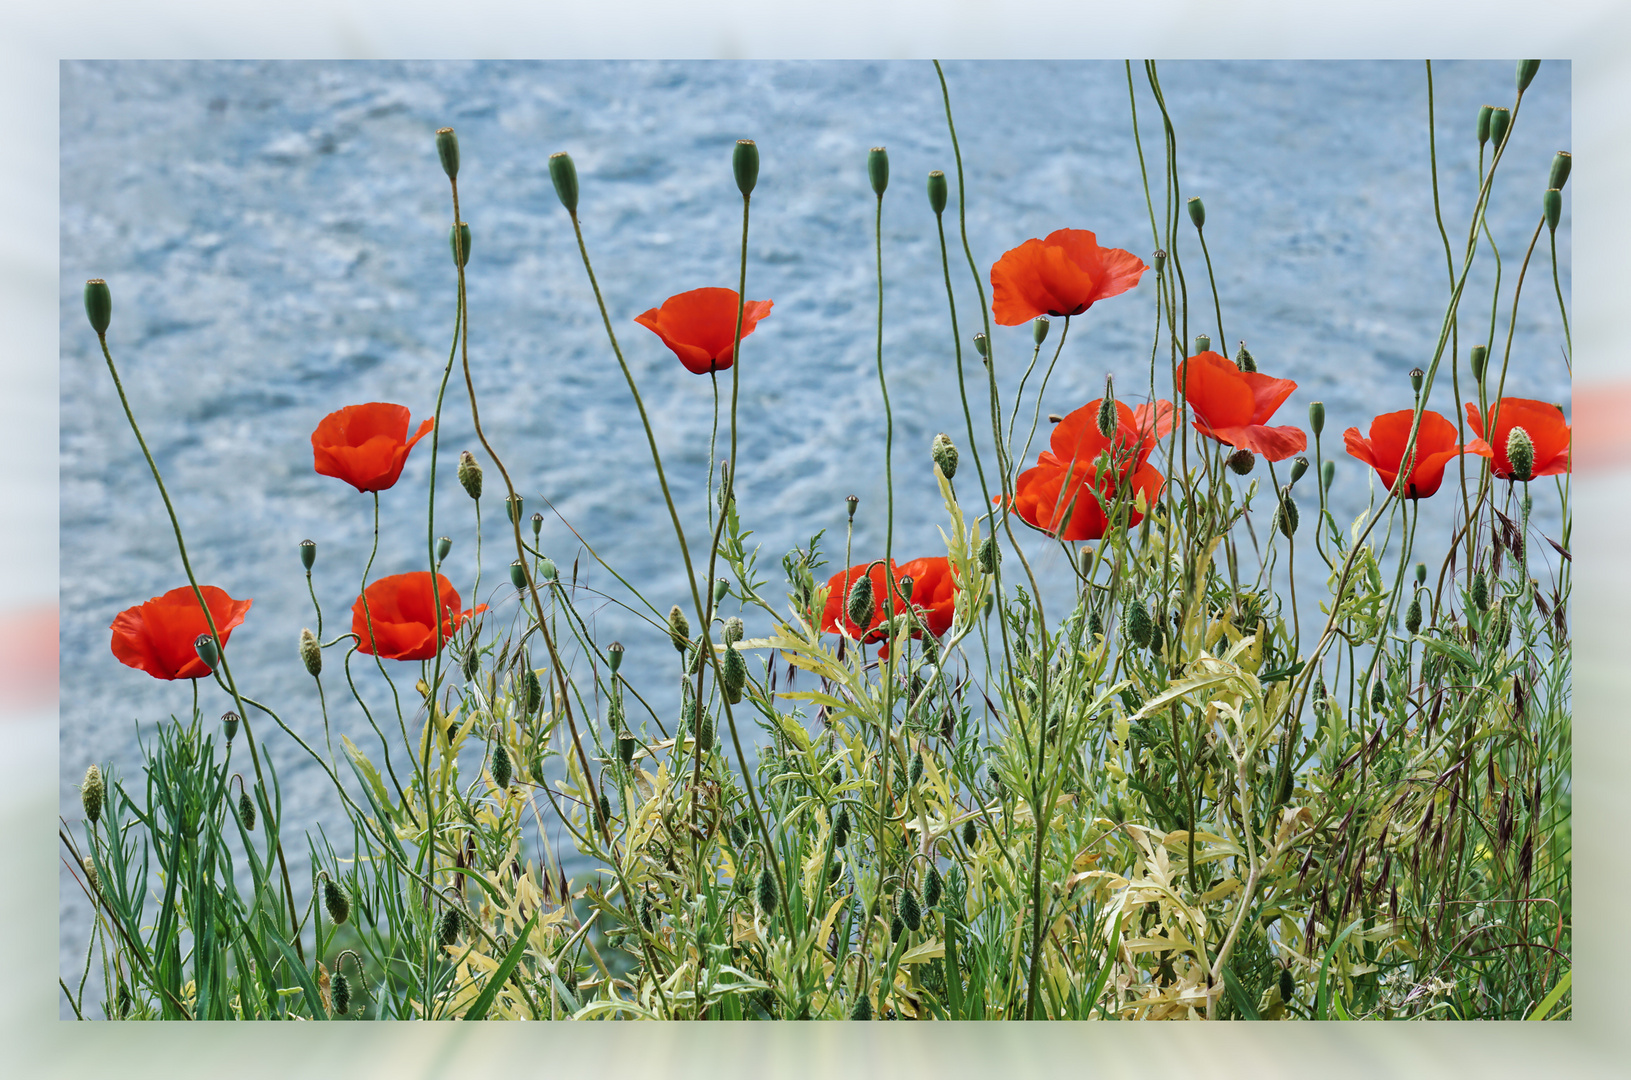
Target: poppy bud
column 339, row 908
column 1520, row 451
column 734, row 675
column 564, row 175
column 916, row 772
column 679, row 629
column 1298, row 467
column 444, row 545
column 1203, row 343
column 625, row 747
column 840, row 829
column 92, row 878
column 341, row 993
column 1288, row 987
column 911, row 912
column 204, row 645
column 470, row 474
column 1421, row 573
column 852, row 501
column 860, row 605
column 862, row 1010
column 981, row 345
column 311, row 653
column 1316, row 417
column 733, row 630
column 518, row 575
column 877, row 169
column 1478, row 361
column 1157, row 633
column 1499, row 123
column 971, row 833
column 503, row 770
column 897, row 927
column 90, row 794
column 1526, row 73
column 308, row 553
column 1242, row 462
column 1416, row 376
column 1137, row 625
column 1560, row 170
column 472, row 663
column 932, row 888
column 721, row 587
column 1197, row 213
column 614, row 655
column 98, row 305
column 1107, row 418
column 1484, row 115
column 533, row 689
column 1286, row 519
column 1095, row 625
column 937, row 192
column 944, row 453
column 1480, row 591
column 1378, row 694
column 1412, row 615
column 458, row 242
column 230, row 722
column 1328, row 472
column 246, row 811
column 990, row 555
column 1552, row 205
column 745, row 164
column 904, row 587
column 452, row 922
column 767, row 891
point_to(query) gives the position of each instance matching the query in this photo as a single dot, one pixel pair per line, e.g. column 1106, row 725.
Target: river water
column 275, row 236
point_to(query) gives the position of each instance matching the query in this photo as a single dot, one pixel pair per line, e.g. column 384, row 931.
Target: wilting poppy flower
column 403, row 612
column 700, row 326
column 1061, row 495
column 1233, row 406
column 934, row 596
column 1542, row 421
column 1384, row 449
column 365, row 445
column 158, row 636
column 1064, row 274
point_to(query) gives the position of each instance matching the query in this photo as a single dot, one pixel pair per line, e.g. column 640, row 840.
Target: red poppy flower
column 1542, row 421
column 402, row 609
column 1062, row 494
column 934, row 596
column 1064, row 274
column 365, row 445
column 1384, row 449
column 700, row 326
column 158, row 636
column 1233, row 406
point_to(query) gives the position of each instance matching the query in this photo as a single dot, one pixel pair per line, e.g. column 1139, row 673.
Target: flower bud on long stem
column 98, row 305
column 937, row 192
column 447, row 148
column 745, row 164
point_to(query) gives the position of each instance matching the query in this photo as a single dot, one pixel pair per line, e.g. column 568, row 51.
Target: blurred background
column 351, row 138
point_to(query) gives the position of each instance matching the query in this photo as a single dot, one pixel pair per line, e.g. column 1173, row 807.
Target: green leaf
column 1325, row 966
column 484, row 1000
column 314, row 1000
column 1549, row 1002
column 1237, row 994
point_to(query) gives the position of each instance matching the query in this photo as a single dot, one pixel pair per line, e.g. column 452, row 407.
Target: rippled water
column 275, row 236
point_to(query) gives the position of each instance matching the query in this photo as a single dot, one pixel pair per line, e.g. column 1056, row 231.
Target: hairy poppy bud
column 564, row 175
column 1095, row 625
column 311, row 653
column 1500, row 121
column 1552, row 205
column 897, row 927
column 1520, row 451
column 944, row 453
column 1478, row 361
column 1485, row 115
column 911, row 912
column 1244, row 360
column 937, row 192
column 1416, row 377
column 1197, row 213
column 1526, row 73
column 1316, row 417
column 452, row 922
column 444, row 545
column 518, row 575
column 1559, row 176
column 733, row 630
column 472, row 663
column 339, row 908
column 533, row 689
column 916, row 772
column 1288, row 986
column 308, row 553
column 982, row 345
column 246, row 811
column 990, row 555
column 503, row 770
column 98, row 305
column 840, row 829
column 614, row 655
column 1203, row 343
column 932, row 888
column 90, row 794
column 1378, row 694
column 1287, row 517
column 230, row 722
column 745, row 164
column 1242, row 461
column 1412, row 615
column 768, row 894
column 862, row 1010
column 625, row 747
column 458, row 242
column 679, row 629
column 1328, row 472
column 877, row 169
column 204, row 645
column 1137, row 625
column 470, row 474
column 860, row 605
column 1107, row 418
column 1480, row 591
column 734, row 674
column 341, row 993
column 971, row 833
column 1158, row 633
column 1299, row 466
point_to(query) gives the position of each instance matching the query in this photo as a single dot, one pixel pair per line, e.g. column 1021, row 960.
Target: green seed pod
column 1242, row 462
column 311, row 653
column 862, row 1010
column 1412, row 615
column 1500, row 122
column 308, row 553
column 1559, row 176
column 92, row 878
column 1160, row 260
column 1328, row 472
column 1137, row 626
column 932, row 888
column 1378, row 694
column 721, row 587
column 734, row 674
column 340, row 991
column 564, row 175
column 679, row 629
column 768, row 894
column 452, row 923
column 204, row 645
column 230, row 722
column 90, row 794
column 334, row 898
column 98, row 305
column 1299, row 466
column 1478, row 361
column 246, row 811
column 904, row 587
column 1480, row 592
column 1316, row 417
column 1244, row 360
column 852, row 502
column 1416, row 377
column 971, row 833
column 614, row 656
column 533, row 689
column 877, row 169
column 512, row 508
column 470, row 474
column 944, row 453
column 1552, row 206
column 458, row 242
column 1485, row 115
column 546, row 569
column 860, row 606
column 1287, row 518
column 503, row 770
column 937, row 192
column 1526, row 73
column 1421, row 573
column 444, row 544
column 911, row 912
column 990, row 555
column 1203, row 343
column 733, row 630
column 745, row 164
column 897, row 927
column 982, row 345
column 518, row 575
column 537, row 526
column 1520, row 451
column 916, row 772
column 625, row 747
column 1197, row 213
column 447, row 148
column 1288, row 986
